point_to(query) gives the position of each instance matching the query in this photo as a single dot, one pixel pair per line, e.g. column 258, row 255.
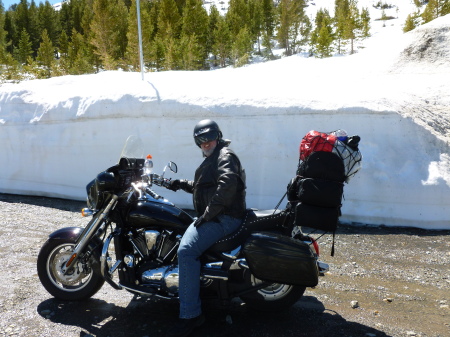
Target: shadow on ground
column 148, row 317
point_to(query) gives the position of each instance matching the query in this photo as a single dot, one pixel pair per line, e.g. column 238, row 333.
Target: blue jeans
column 195, row 241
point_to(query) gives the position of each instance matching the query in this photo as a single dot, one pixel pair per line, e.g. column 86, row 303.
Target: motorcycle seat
column 254, row 221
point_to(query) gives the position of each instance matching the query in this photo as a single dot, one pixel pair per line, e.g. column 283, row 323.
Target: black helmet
column 206, row 131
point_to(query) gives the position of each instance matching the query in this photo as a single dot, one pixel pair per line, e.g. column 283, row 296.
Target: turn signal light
column 87, row 212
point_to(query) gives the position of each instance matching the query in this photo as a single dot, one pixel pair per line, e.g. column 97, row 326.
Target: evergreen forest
column 87, row 36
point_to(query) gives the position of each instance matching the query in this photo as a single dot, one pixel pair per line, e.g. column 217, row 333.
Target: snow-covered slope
column 56, row 134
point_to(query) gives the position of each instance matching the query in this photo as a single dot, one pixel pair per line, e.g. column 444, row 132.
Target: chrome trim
column 233, row 253
column 134, row 291
column 243, row 263
column 323, row 267
column 214, row 265
column 151, row 238
column 217, row 277
column 93, row 225
column 129, row 261
column 114, row 267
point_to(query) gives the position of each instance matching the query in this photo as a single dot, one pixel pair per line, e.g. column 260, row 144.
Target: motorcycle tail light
column 87, row 212
column 316, row 246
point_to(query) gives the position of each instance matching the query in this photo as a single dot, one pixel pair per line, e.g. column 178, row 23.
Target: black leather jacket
column 219, row 185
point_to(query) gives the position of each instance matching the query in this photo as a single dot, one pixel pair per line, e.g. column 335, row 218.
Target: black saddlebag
column 322, row 218
column 281, row 259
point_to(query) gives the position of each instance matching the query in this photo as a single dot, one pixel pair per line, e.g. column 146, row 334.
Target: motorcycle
column 132, row 238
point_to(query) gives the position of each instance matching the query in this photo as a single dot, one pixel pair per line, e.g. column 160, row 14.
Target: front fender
column 71, row 234
column 67, row 233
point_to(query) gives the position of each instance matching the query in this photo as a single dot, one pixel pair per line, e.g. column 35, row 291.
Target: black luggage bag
column 281, row 259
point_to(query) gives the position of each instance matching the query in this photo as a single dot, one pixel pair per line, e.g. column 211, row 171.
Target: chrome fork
column 88, row 233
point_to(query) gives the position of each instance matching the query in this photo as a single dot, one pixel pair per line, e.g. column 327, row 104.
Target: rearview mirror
column 172, row 166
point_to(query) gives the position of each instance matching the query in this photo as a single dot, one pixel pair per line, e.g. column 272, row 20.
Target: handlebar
column 160, row 180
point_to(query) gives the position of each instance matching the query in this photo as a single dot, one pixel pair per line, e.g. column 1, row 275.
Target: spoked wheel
column 274, row 297
column 79, row 283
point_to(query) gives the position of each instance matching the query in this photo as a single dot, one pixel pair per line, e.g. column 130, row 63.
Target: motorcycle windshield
column 133, row 148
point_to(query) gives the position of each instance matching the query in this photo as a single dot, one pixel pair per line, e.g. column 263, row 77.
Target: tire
column 81, row 284
column 274, row 297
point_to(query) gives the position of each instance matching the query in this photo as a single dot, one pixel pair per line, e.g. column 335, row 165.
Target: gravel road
column 383, row 281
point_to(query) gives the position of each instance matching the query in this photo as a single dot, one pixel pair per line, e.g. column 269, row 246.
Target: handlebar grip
column 166, row 183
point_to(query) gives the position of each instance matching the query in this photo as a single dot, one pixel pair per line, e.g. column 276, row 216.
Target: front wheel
column 274, row 297
column 79, row 283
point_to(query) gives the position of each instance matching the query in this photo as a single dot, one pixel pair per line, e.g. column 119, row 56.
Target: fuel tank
column 149, row 213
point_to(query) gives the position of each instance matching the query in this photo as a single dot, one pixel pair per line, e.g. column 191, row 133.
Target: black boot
column 184, row 327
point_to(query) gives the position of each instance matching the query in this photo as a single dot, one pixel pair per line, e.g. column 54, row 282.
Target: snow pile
column 57, row 134
column 427, row 46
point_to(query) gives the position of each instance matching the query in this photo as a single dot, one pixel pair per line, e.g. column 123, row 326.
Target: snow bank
column 57, row 134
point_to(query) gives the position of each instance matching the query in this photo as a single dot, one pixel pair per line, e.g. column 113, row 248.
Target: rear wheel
column 79, row 283
column 274, row 297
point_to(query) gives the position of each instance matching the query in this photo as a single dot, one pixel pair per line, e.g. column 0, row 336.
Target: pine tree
column 191, row 53
column 365, row 23
column 3, row 56
column 63, row 44
column 441, row 7
column 444, row 7
column 237, row 17
column 22, row 20
column 268, row 27
column 283, row 29
column 268, row 17
column 304, row 32
column 242, row 48
column 430, row 12
column 46, row 55
column 195, row 31
column 257, row 20
column 48, row 20
column 81, row 15
column 322, row 35
column 79, row 56
column 64, row 52
column 214, row 17
column 410, row 23
column 353, row 25
column 24, row 51
column 324, row 41
column 64, row 17
column 169, row 20
column 33, row 27
column 170, row 60
column 11, row 33
column 108, row 28
column 292, row 18
column 222, row 42
column 341, row 13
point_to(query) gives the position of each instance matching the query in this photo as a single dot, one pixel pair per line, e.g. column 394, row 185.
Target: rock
column 228, row 320
column 354, row 304
column 411, row 333
column 388, row 299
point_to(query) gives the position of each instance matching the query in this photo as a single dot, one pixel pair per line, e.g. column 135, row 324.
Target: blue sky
column 7, row 3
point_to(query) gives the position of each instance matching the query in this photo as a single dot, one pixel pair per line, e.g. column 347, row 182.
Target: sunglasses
column 205, row 137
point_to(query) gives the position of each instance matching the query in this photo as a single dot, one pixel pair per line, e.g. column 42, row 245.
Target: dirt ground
column 383, row 281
